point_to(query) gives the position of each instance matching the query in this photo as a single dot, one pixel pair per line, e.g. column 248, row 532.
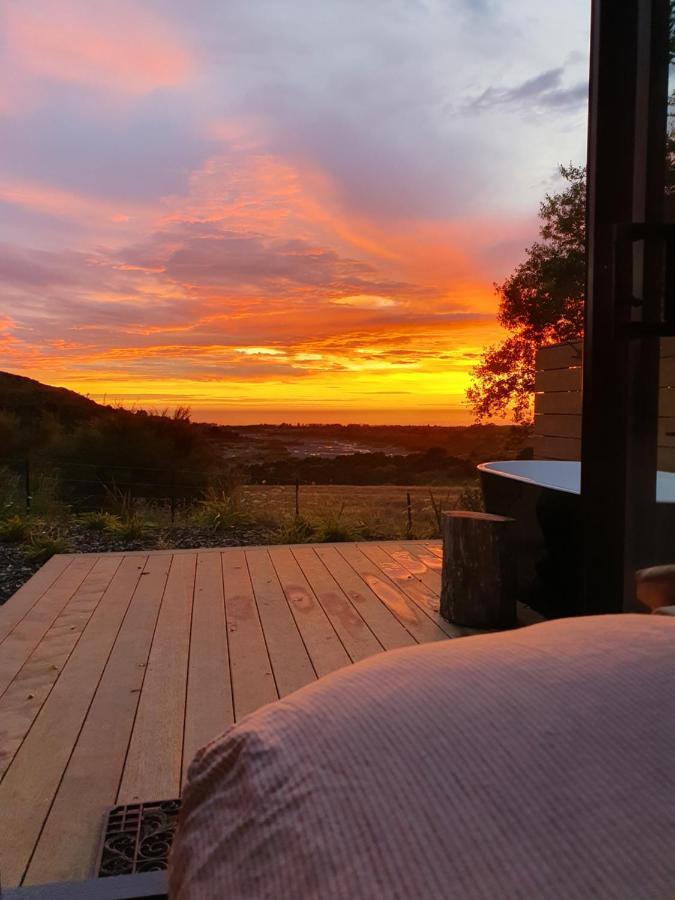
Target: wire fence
column 84, row 484
column 46, row 488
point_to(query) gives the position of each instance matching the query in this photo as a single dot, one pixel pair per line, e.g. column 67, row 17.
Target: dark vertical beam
column 620, row 381
column 607, row 364
column 651, row 104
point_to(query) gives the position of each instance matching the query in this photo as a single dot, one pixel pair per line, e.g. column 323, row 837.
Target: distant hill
column 26, row 398
column 89, row 452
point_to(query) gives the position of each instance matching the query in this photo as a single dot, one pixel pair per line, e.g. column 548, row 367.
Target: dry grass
column 371, row 510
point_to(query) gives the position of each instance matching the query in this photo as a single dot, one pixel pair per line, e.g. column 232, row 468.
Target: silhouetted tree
column 541, row 303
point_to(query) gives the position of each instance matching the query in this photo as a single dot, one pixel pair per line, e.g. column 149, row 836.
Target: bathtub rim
column 504, row 468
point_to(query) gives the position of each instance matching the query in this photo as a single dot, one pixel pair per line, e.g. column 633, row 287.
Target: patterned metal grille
column 137, row 838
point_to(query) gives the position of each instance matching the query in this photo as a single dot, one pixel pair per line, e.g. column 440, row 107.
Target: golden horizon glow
column 201, row 213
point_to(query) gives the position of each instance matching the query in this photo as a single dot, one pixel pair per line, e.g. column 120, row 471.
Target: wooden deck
column 116, row 668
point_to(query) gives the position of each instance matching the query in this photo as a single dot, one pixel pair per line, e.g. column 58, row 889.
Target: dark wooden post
column 173, row 496
column 27, row 485
column 479, row 574
column 626, row 167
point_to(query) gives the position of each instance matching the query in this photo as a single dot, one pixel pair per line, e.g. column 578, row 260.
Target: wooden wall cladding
column 557, row 404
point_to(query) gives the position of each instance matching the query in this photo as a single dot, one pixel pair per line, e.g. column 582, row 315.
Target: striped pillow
column 530, row 764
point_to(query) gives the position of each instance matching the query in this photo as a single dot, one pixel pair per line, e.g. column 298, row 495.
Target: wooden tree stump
column 479, row 573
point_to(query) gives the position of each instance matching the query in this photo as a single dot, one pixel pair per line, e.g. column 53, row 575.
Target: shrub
column 334, row 529
column 297, row 531
column 338, row 533
column 15, row 529
column 438, row 507
column 41, row 547
column 45, row 496
column 471, row 498
column 164, row 542
column 133, row 528
column 219, row 511
column 121, row 504
column 10, row 490
column 98, row 521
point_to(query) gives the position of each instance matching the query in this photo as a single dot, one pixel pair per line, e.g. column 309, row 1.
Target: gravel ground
column 15, row 569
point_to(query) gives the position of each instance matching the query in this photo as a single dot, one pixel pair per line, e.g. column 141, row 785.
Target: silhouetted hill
column 27, row 398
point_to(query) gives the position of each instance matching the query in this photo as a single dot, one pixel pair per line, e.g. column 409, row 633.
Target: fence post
column 26, row 479
column 297, row 498
column 409, row 528
column 173, row 497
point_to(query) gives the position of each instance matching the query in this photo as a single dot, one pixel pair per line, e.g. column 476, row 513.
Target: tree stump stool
column 478, row 584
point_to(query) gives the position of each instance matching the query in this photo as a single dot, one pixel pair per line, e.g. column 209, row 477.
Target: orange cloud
column 255, row 291
column 366, row 301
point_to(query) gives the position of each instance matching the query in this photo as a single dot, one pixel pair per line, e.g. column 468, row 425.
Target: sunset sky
column 275, row 210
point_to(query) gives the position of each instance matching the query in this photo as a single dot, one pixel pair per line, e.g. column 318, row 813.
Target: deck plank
column 431, row 560
column 23, row 699
column 153, row 767
column 253, row 682
column 30, row 592
column 357, row 638
column 436, row 549
column 389, row 631
column 157, row 653
column 32, row 779
column 27, row 634
column 290, row 661
column 413, row 557
column 323, row 644
column 208, row 707
column 69, row 841
column 425, row 568
column 427, row 600
column 416, row 621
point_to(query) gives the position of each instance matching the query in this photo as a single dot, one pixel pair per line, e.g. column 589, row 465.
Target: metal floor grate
column 137, row 838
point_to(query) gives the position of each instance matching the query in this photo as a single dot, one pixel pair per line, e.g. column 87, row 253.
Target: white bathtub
column 542, row 496
column 564, row 476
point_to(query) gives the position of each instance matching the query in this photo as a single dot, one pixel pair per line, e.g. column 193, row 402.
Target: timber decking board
column 253, row 682
column 384, row 625
column 208, row 703
column 427, row 601
column 68, row 844
column 429, row 575
column 357, row 638
column 29, row 593
column 23, row 699
column 290, row 660
column 118, row 667
column 323, row 644
column 436, row 549
column 406, row 610
column 154, row 761
column 32, row 779
column 20, row 643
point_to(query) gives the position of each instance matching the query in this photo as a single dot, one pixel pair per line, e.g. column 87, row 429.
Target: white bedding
column 537, row 763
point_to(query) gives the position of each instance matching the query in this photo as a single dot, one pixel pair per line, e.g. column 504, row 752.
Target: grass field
column 365, row 510
column 251, row 514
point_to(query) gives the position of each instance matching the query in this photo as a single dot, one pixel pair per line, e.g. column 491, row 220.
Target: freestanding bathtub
column 543, row 497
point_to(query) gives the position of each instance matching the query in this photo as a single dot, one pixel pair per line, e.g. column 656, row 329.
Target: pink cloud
column 52, row 201
column 115, row 46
